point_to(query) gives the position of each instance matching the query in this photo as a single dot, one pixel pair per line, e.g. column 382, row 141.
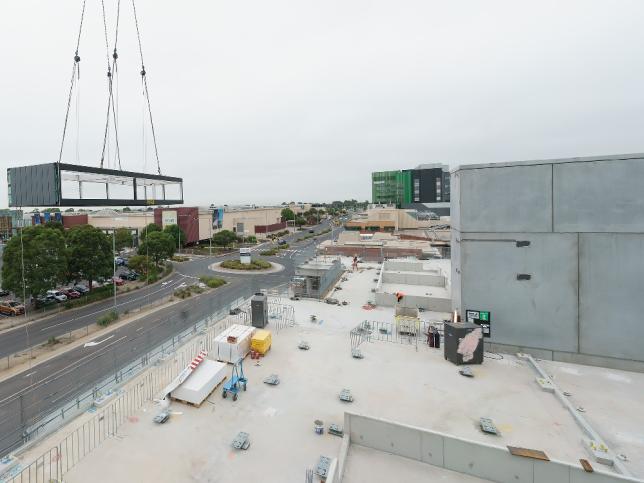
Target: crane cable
column 145, row 88
column 75, row 74
column 110, row 99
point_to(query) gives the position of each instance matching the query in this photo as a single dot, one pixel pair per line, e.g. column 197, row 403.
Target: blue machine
column 236, row 382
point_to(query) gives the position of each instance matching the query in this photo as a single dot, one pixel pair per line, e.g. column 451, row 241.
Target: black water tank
column 259, row 310
column 472, row 350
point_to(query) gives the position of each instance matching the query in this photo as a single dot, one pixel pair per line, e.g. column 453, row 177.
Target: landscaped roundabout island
column 256, row 266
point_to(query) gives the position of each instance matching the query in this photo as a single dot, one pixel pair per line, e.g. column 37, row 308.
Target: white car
column 58, row 296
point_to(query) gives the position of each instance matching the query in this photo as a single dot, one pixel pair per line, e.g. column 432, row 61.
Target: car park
column 57, row 295
column 11, row 308
column 4, row 293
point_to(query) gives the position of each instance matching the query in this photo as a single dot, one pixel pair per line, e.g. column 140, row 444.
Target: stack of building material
column 233, row 343
column 201, row 382
column 261, row 341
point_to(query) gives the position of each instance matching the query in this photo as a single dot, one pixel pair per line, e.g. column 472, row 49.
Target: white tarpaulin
column 201, row 382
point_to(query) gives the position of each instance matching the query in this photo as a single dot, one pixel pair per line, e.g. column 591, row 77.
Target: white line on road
column 93, row 343
column 30, row 374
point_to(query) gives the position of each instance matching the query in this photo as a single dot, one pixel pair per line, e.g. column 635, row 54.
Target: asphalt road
column 29, row 396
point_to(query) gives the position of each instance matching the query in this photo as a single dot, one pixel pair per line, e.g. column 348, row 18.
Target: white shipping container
column 233, row 351
column 201, row 382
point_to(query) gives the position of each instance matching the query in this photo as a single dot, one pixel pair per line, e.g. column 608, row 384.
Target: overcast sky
column 268, row 101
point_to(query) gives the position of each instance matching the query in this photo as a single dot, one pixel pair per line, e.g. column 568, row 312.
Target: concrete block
column 611, row 268
column 505, row 199
column 599, row 196
column 487, row 462
column 551, row 472
column 385, row 436
column 540, row 312
column 432, row 448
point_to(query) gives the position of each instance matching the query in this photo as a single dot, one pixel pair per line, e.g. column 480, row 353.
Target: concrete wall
column 435, row 304
column 461, row 455
column 414, row 278
column 584, row 221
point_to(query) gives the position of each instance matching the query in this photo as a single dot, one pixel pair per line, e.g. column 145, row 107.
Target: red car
column 118, row 281
column 71, row 293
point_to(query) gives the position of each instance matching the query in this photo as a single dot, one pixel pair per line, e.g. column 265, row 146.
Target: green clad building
column 426, row 187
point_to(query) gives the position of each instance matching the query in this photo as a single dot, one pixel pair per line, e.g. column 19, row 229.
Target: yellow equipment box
column 261, row 341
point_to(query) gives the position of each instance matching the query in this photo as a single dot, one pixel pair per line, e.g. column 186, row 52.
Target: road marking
column 30, row 374
column 93, row 343
column 140, row 328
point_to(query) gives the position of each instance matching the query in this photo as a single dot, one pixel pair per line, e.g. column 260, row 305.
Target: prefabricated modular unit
column 60, row 184
column 203, row 380
column 233, row 343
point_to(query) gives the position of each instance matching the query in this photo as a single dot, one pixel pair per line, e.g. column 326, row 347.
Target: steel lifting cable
column 145, row 87
column 110, row 98
column 75, row 73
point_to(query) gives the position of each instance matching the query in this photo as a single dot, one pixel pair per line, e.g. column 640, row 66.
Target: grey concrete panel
column 386, row 436
column 432, row 448
column 599, row 196
column 455, row 200
column 539, row 313
column 455, row 276
column 612, row 295
column 491, row 463
column 547, row 472
column 506, row 199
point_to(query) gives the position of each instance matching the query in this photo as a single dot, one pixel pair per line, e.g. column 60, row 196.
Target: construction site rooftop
column 398, row 379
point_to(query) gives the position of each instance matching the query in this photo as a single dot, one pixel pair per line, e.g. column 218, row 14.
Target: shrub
column 253, row 265
column 52, row 341
column 108, row 318
column 100, row 293
column 269, row 253
column 212, row 282
column 283, row 247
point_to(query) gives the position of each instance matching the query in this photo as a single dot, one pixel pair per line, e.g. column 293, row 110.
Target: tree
column 224, row 238
column 127, row 209
column 158, row 246
column 177, row 234
column 45, row 261
column 152, row 227
column 299, row 221
column 123, row 238
column 69, row 210
column 140, row 263
column 287, row 214
column 90, row 253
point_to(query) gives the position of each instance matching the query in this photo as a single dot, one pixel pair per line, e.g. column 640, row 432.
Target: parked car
column 117, row 280
column 281, row 242
column 3, row 292
column 71, row 293
column 57, row 295
column 120, row 261
column 311, row 230
column 81, row 289
column 44, row 301
column 11, row 308
column 131, row 275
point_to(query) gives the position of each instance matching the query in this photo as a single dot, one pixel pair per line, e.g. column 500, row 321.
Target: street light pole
column 114, row 263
